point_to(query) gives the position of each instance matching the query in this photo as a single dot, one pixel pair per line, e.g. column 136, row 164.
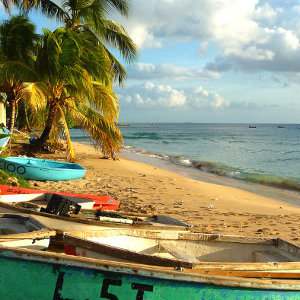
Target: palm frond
column 105, row 133
column 106, row 102
column 14, row 71
column 115, row 34
column 35, row 95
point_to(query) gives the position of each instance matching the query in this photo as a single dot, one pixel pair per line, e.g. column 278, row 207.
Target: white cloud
column 203, row 49
column 205, row 98
column 152, row 96
column 165, row 97
column 243, row 32
column 142, row 71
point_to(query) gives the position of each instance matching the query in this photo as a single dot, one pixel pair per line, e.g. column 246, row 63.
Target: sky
column 211, row 61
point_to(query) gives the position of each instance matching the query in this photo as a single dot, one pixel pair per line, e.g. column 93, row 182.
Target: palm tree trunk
column 40, row 142
column 12, row 116
column 26, row 118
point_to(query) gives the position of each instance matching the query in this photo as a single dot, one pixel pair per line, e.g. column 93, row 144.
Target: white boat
column 84, row 203
column 25, row 232
column 89, row 220
column 208, row 252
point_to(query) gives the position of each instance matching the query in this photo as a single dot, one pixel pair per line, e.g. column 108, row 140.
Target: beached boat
column 41, row 169
column 26, row 232
column 4, row 137
column 185, row 249
column 83, row 203
column 90, row 219
column 47, row 275
column 102, row 202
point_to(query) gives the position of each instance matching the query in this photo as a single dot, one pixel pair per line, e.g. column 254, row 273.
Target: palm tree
column 87, row 19
column 18, row 45
column 77, row 76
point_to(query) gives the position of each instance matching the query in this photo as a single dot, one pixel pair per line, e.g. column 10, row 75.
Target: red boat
column 102, row 202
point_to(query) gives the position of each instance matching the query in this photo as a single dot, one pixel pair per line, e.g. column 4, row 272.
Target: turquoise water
column 266, row 154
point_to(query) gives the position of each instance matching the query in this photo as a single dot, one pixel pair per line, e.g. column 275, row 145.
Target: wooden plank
column 250, row 274
column 125, row 254
column 178, row 254
column 269, row 256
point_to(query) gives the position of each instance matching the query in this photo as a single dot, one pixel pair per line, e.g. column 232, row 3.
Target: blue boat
column 41, row 169
column 31, row 274
column 4, row 137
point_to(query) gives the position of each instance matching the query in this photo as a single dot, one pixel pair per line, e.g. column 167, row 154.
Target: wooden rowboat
column 102, row 202
column 186, row 250
column 41, row 169
column 26, row 232
column 47, row 275
column 89, row 220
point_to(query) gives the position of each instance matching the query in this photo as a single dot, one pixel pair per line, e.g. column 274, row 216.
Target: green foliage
column 70, row 120
column 11, row 179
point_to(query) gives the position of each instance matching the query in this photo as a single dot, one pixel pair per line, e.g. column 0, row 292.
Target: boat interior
column 193, row 247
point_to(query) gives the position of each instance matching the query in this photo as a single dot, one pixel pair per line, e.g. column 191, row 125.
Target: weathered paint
column 27, row 279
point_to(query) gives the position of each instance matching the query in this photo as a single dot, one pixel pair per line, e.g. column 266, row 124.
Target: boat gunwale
column 147, row 271
column 43, row 232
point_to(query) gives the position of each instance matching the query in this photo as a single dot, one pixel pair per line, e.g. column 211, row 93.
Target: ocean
column 233, row 154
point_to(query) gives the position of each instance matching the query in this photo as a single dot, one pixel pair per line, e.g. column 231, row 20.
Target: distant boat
column 122, row 124
column 252, row 126
column 41, row 169
column 279, row 126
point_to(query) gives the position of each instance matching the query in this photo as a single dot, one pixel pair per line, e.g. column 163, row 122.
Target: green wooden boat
column 29, row 274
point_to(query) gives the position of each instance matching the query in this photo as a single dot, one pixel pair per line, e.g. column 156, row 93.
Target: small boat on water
column 26, row 232
column 185, row 249
column 41, row 169
column 46, row 275
column 102, row 202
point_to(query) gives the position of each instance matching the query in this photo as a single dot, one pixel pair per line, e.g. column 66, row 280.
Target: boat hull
column 25, row 232
column 41, row 169
column 102, row 202
column 61, row 277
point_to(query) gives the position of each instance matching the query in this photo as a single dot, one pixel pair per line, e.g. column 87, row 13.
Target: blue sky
column 211, row 61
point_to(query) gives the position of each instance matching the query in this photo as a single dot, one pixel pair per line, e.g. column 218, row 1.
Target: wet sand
column 210, row 208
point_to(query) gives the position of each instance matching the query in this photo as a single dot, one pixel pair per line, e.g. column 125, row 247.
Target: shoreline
column 210, row 208
column 284, row 195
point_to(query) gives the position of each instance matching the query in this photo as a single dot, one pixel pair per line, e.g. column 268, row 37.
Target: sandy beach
column 210, row 208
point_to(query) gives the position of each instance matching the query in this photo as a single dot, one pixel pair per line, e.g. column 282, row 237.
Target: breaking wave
column 224, row 170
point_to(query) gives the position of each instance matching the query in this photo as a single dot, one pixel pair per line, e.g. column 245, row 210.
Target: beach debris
column 178, row 203
column 99, row 179
column 214, row 199
column 210, row 206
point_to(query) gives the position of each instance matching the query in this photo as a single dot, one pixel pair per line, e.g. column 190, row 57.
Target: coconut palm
column 18, row 46
column 87, row 19
column 77, row 75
